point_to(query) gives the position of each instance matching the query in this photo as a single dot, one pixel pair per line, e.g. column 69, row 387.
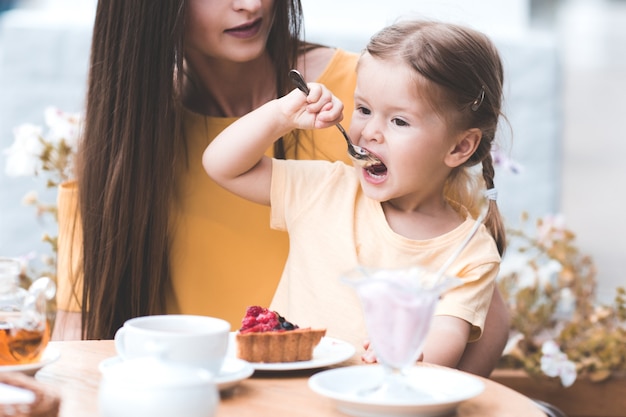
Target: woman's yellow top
column 224, row 256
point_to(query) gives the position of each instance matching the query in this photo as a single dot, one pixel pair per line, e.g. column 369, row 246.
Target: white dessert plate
column 50, row 354
column 232, row 373
column 443, row 389
column 329, row 351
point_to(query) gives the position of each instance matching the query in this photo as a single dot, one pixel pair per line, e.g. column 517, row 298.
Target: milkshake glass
column 398, row 306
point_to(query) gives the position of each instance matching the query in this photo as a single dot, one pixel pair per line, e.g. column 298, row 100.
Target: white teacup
column 197, row 341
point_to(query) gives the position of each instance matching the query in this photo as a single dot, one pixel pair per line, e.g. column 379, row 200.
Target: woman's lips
column 247, row 30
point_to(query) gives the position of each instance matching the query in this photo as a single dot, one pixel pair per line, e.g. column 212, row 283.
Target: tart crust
column 278, row 346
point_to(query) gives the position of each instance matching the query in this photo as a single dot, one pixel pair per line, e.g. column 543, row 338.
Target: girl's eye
column 363, row 110
column 399, row 122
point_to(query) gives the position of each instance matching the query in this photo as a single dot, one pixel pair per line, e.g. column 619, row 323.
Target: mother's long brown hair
column 133, row 138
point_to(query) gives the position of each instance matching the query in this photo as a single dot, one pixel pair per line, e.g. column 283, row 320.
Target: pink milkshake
column 398, row 306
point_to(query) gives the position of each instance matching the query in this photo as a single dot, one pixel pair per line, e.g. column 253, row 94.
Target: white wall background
column 356, row 20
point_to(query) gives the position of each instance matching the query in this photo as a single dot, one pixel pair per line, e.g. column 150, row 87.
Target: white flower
column 33, row 151
column 554, row 363
column 548, row 272
column 23, row 154
column 62, row 126
column 517, row 263
column 552, row 228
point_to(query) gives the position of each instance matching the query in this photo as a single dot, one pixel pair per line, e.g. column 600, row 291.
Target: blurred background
column 565, row 70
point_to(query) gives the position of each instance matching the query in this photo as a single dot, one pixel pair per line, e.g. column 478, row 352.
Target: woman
column 154, row 234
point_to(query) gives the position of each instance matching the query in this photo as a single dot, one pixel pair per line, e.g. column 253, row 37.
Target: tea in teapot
column 24, row 325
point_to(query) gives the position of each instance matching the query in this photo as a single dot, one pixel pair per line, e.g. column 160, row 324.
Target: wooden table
column 75, row 376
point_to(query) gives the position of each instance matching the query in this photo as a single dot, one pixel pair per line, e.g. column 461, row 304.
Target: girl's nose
column 371, row 132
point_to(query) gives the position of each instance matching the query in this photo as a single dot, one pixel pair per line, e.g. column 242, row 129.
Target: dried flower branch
column 557, row 328
column 35, row 153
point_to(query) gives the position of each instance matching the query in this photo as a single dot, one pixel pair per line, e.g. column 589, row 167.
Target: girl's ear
column 466, row 144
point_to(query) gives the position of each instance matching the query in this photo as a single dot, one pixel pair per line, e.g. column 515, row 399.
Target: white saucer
column 232, row 373
column 443, row 389
column 50, row 354
column 329, row 351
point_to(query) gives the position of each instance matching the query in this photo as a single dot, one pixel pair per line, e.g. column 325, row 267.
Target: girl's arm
column 235, row 159
column 481, row 357
column 446, row 341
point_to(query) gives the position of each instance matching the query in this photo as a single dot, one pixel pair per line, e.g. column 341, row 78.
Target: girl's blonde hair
column 461, row 72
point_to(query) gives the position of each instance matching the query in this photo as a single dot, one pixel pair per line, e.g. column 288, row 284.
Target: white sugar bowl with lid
column 153, row 387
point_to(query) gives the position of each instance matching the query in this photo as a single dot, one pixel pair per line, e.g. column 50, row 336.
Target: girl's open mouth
column 377, row 171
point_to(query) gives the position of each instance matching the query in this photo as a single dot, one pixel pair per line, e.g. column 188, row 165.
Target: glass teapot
column 25, row 323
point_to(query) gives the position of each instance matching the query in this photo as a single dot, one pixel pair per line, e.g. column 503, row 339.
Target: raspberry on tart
column 266, row 336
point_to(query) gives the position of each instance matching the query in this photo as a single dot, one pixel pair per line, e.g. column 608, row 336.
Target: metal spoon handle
column 298, row 81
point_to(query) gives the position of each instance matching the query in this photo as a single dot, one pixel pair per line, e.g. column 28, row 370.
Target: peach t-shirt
column 333, row 228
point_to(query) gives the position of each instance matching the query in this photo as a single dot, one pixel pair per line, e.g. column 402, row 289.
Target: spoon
column 359, row 155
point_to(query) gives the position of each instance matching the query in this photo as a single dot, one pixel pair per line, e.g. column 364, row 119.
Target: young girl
column 427, row 103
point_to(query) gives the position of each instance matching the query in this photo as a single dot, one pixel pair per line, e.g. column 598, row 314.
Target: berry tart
column 265, row 336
